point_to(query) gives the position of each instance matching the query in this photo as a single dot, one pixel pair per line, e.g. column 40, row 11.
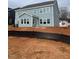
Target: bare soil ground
column 65, row 30
column 33, row 48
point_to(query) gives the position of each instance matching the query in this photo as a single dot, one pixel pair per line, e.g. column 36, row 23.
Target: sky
column 21, row 3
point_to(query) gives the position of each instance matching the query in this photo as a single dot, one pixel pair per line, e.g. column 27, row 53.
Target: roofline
column 36, row 4
column 23, row 14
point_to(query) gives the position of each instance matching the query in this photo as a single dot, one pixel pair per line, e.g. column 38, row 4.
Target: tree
column 64, row 13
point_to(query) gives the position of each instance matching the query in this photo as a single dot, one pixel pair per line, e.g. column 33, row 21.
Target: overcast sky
column 21, row 3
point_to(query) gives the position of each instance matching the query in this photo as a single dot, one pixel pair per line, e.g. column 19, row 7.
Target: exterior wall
column 25, row 17
column 18, row 19
column 46, row 14
column 56, row 15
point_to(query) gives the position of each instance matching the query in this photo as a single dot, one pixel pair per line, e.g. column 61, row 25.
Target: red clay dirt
column 59, row 30
column 33, row 48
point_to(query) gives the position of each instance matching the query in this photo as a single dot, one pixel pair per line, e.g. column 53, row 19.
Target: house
column 43, row 14
column 11, row 16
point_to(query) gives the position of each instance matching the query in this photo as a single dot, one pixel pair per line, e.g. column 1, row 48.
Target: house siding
column 48, row 13
column 56, row 15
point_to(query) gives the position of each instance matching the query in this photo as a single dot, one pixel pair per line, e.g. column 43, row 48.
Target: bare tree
column 64, row 13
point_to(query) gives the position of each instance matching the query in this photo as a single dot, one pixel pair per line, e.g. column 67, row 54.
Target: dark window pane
column 27, row 22
column 44, row 22
column 48, row 21
column 24, row 21
column 21, row 21
column 40, row 21
column 40, row 10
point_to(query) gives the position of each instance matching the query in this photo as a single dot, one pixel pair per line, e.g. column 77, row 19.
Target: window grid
column 24, row 21
column 21, row 21
column 40, row 21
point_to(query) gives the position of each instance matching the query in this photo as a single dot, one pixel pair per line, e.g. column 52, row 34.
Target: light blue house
column 43, row 14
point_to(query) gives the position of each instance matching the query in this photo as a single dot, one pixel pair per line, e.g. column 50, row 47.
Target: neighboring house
column 11, row 16
column 43, row 14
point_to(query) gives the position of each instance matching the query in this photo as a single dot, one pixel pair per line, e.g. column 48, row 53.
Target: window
column 35, row 11
column 48, row 21
column 47, row 10
column 27, row 21
column 33, row 22
column 44, row 10
column 21, row 21
column 40, row 10
column 44, row 22
column 24, row 21
column 40, row 21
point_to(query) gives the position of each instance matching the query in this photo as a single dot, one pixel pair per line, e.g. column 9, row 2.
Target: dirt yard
column 33, row 48
column 65, row 30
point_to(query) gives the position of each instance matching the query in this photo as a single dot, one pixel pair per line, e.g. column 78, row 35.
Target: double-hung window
column 24, row 21
column 40, row 21
column 21, row 21
column 27, row 21
column 48, row 21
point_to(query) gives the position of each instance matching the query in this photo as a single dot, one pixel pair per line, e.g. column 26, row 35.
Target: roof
column 36, row 4
column 39, row 4
column 17, row 8
column 9, row 9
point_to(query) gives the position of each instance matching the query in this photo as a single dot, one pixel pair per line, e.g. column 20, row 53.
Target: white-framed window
column 48, row 21
column 24, row 21
column 41, row 10
column 44, row 9
column 21, row 21
column 27, row 21
column 44, row 21
column 40, row 21
column 34, row 11
column 47, row 9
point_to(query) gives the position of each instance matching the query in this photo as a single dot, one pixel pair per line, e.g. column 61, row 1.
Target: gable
column 24, row 15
